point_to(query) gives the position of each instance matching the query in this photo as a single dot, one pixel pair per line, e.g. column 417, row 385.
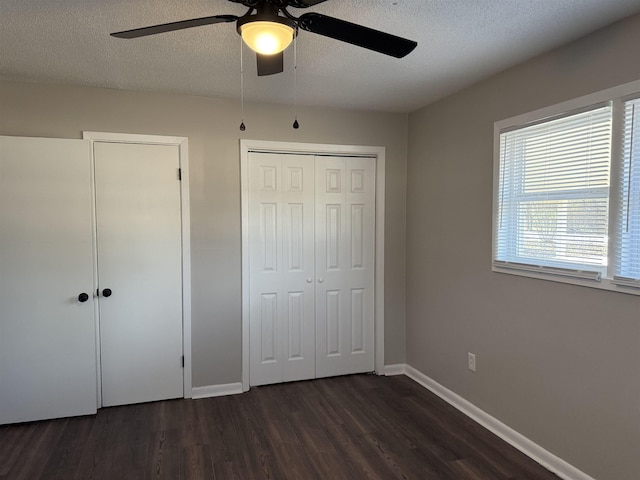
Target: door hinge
column 179, row 174
column 182, row 361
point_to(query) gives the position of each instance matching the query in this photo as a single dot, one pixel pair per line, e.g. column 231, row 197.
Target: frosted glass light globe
column 267, row 38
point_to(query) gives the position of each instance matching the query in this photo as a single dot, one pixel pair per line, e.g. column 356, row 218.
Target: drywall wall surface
column 214, row 153
column 556, row 362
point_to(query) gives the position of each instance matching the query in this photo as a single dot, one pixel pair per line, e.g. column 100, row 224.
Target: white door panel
column 298, row 271
column 139, row 260
column 345, row 253
column 265, row 255
column 47, row 337
column 281, row 268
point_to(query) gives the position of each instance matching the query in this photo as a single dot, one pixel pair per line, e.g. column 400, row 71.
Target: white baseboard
column 531, row 449
column 216, row 390
column 397, row 369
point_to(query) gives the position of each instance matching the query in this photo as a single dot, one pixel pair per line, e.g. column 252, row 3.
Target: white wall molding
column 216, row 390
column 396, row 369
column 531, row 449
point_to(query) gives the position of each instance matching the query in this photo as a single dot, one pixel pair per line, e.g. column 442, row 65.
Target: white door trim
column 183, row 148
column 378, row 154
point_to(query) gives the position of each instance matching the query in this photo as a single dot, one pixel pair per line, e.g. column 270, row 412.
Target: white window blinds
column 553, row 195
column 627, row 261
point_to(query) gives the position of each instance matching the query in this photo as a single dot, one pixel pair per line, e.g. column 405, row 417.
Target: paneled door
column 281, row 257
column 311, row 229
column 47, row 324
column 138, row 217
column 345, row 254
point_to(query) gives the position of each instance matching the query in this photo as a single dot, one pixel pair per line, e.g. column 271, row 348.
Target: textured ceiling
column 459, row 43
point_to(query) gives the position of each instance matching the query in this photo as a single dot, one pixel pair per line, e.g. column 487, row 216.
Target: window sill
column 602, row 284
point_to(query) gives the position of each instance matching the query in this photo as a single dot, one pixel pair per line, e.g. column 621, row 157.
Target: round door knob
column 83, row 297
column 106, row 292
column 321, row 280
column 309, row 280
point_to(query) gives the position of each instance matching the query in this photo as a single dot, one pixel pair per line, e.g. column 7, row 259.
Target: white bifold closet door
column 47, row 330
column 311, row 262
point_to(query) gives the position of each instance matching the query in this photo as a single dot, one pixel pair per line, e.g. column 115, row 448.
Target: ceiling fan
column 268, row 28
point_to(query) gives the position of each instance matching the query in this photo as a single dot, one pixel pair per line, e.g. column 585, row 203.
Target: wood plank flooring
column 353, row 427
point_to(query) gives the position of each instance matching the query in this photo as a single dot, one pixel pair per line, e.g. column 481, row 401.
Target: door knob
column 321, row 280
column 106, row 292
column 309, row 279
column 83, row 297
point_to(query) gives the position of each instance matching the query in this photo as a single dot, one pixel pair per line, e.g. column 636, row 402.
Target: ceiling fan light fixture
column 266, row 37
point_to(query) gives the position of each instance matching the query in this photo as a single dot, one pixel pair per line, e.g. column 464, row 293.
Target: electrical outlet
column 471, row 361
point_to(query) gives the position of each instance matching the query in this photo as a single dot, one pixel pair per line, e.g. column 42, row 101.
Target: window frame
column 616, row 96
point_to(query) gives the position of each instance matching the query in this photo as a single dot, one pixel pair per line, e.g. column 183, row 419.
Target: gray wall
column 212, row 128
column 558, row 363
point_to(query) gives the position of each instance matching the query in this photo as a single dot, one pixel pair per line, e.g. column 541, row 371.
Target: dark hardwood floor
column 353, row 427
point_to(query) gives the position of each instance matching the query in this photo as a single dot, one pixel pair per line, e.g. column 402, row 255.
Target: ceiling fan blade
column 270, row 64
column 304, row 3
column 170, row 27
column 357, row 34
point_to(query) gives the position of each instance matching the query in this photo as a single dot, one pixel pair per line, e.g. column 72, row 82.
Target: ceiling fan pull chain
column 296, row 125
column 242, row 127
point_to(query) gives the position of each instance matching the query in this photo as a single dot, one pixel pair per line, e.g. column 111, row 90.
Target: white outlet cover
column 472, row 361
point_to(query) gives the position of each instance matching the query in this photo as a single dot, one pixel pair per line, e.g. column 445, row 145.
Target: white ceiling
column 459, row 43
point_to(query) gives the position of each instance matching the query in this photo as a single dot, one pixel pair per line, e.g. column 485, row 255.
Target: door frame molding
column 377, row 154
column 183, row 151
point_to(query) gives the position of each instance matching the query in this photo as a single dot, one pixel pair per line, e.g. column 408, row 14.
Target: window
column 627, row 246
column 567, row 192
